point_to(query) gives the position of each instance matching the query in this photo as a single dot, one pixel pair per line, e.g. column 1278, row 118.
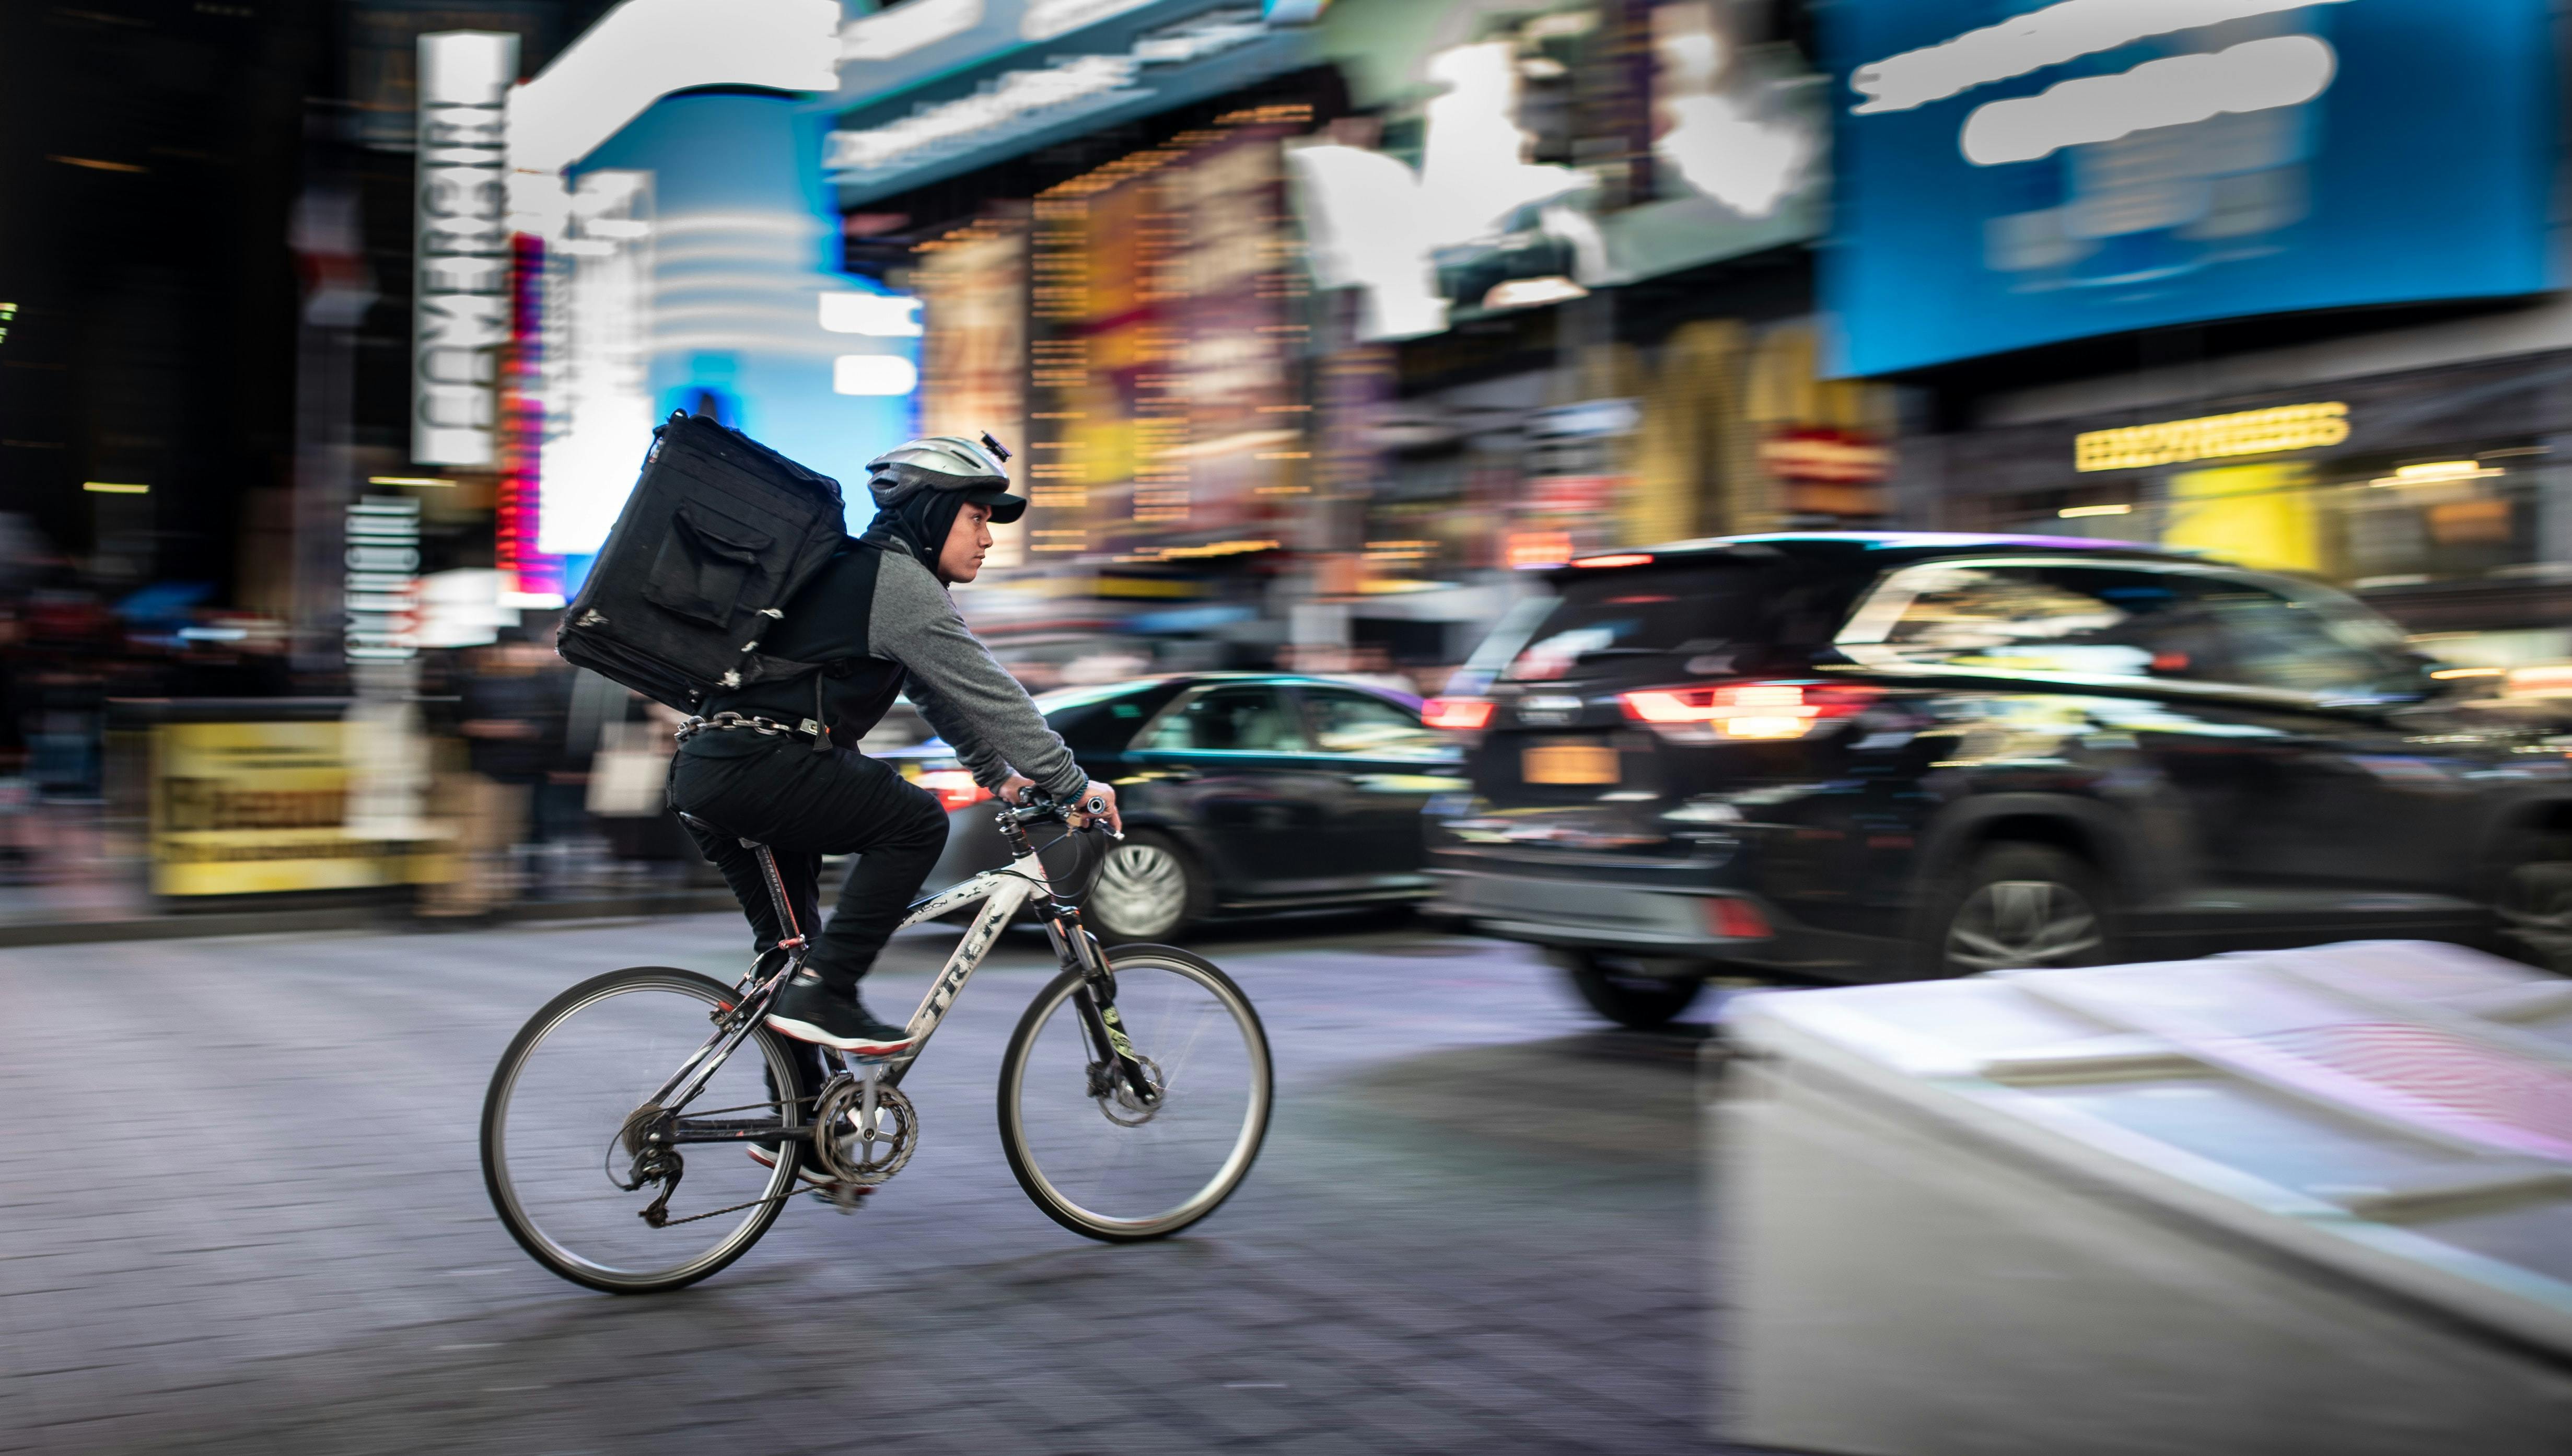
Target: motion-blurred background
column 1324, row 331
column 333, row 332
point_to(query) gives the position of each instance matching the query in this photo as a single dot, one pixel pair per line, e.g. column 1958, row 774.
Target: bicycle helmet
column 945, row 462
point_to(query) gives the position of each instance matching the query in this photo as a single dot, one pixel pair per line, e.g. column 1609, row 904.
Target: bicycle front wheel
column 1096, row 1160
column 556, row 1146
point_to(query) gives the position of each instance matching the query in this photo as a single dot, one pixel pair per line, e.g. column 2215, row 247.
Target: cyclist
column 777, row 761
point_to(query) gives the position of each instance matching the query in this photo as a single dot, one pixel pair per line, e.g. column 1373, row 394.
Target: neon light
column 2434, row 472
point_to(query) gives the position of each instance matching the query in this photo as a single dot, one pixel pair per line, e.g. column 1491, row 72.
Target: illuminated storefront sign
column 597, row 359
column 1060, row 90
column 697, row 268
column 1163, row 396
column 2213, row 438
column 460, row 316
column 382, row 583
column 262, row 806
column 2086, row 168
column 934, row 88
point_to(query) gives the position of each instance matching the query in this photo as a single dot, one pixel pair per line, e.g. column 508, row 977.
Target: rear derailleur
column 645, row 1137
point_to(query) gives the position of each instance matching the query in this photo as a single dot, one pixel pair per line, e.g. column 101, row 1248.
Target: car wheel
column 1628, row 993
column 2533, row 902
column 1147, row 890
column 2021, row 906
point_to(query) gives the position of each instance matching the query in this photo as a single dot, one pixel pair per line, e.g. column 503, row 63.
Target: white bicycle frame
column 1001, row 892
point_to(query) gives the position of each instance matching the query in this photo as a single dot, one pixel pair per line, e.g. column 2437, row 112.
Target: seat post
column 777, row 893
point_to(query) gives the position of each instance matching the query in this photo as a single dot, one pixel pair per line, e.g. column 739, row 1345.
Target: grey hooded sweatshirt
column 914, row 636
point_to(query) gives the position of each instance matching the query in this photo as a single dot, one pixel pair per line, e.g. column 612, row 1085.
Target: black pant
column 803, row 805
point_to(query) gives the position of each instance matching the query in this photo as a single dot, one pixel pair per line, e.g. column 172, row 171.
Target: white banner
column 460, row 312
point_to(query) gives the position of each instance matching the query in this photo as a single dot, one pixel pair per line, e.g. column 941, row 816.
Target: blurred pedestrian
column 506, row 715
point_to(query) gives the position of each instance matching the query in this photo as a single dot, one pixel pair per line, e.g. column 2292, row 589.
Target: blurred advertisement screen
column 1530, row 154
column 1161, row 362
column 973, row 363
column 2078, row 169
column 249, row 808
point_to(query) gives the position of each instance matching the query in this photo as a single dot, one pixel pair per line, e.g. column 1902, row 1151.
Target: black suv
column 1875, row 757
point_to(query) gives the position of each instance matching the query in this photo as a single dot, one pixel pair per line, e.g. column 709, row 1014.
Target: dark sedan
column 1241, row 792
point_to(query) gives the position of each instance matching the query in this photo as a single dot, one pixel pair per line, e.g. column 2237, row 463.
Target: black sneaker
column 806, row 1011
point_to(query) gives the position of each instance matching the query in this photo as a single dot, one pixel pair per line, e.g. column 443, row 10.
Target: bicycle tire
column 1043, row 1191
column 495, row 1103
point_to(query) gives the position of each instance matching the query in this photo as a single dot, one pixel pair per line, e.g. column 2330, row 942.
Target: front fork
column 1095, row 1004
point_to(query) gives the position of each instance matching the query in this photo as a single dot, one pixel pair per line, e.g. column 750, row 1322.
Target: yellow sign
column 254, row 808
column 2213, row 438
column 2254, row 515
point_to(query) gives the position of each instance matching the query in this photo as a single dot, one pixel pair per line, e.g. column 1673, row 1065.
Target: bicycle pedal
column 842, row 1196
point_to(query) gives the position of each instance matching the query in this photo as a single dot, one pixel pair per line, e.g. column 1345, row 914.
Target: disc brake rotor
column 1123, row 1108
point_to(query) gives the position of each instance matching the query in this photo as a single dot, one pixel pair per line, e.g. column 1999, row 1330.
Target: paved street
column 240, row 1212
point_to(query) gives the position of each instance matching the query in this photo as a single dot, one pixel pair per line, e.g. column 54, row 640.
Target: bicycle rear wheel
column 554, row 1144
column 1101, row 1164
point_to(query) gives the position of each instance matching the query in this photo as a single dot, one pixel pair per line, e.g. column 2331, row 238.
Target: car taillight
column 953, row 787
column 1740, row 709
column 1732, row 918
column 1460, row 713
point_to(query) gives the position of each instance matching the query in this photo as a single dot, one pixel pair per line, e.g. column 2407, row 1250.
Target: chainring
column 850, row 1157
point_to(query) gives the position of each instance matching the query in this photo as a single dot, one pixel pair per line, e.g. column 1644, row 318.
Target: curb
column 354, row 917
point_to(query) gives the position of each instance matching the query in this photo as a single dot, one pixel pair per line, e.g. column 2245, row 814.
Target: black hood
column 920, row 521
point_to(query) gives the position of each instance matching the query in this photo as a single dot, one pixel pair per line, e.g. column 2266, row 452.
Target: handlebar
column 1037, row 807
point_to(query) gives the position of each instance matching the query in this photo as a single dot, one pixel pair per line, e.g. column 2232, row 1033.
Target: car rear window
column 1697, row 608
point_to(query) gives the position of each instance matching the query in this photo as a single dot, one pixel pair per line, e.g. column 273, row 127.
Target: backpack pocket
column 704, row 565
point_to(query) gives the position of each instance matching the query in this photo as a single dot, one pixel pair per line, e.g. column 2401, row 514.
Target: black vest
column 827, row 623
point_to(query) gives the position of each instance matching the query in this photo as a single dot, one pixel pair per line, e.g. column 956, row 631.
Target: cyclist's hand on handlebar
column 1015, row 791
column 1096, row 802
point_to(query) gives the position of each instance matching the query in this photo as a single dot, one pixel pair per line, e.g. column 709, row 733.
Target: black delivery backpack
column 720, row 533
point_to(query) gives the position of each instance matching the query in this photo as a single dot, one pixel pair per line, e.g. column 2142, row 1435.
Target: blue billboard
column 2012, row 174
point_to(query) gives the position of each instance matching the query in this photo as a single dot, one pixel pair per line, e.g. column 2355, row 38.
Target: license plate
column 1568, row 763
